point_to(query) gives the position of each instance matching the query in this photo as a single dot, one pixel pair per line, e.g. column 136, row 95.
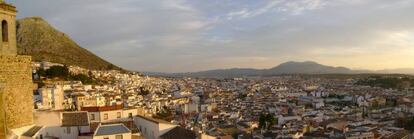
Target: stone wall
column 18, row 90
column 8, row 14
column 2, row 120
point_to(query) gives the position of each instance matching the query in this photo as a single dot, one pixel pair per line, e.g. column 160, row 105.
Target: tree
column 364, row 112
column 267, row 121
column 405, row 122
column 143, row 91
column 270, row 121
column 57, row 71
column 83, row 78
column 262, row 121
column 164, row 114
column 41, row 72
column 90, row 74
column 40, row 84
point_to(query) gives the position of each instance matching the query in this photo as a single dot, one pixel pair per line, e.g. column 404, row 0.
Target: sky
column 196, row 35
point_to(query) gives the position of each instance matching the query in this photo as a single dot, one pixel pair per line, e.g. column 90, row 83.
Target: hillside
column 35, row 37
column 291, row 67
column 307, row 67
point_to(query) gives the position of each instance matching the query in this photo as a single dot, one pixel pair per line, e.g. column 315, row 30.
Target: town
column 52, row 88
column 286, row 106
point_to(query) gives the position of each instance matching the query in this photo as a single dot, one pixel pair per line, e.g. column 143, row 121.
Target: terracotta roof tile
column 179, row 133
column 75, row 119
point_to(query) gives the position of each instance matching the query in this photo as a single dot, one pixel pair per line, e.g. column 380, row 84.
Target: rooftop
column 157, row 121
column 7, row 7
column 179, row 133
column 104, row 108
column 111, row 129
column 32, row 131
column 75, row 119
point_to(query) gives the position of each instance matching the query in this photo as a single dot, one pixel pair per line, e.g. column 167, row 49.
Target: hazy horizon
column 266, row 68
column 195, row 35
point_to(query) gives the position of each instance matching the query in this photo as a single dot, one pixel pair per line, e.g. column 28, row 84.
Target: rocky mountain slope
column 37, row 38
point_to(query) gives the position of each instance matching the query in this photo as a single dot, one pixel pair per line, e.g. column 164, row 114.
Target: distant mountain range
column 307, row 67
column 35, row 37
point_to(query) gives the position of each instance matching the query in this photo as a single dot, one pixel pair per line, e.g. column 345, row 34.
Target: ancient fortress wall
column 16, row 86
column 2, row 119
column 18, row 90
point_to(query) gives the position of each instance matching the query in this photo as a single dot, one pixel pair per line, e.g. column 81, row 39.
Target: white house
column 52, row 97
column 74, row 124
column 65, row 125
column 112, row 131
column 110, row 113
column 152, row 128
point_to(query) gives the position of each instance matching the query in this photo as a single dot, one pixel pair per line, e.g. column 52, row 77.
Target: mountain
column 35, row 37
column 307, row 67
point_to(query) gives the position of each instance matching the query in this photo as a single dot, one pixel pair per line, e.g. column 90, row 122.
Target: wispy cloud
column 297, row 7
column 293, row 7
column 191, row 35
column 247, row 13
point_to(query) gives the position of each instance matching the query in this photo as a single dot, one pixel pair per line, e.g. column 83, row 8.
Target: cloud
column 296, row 7
column 293, row 7
column 194, row 35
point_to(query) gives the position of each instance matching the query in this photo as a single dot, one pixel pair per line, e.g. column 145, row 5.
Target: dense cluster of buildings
column 157, row 107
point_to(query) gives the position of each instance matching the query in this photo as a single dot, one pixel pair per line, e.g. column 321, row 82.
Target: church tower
column 8, row 29
column 16, row 85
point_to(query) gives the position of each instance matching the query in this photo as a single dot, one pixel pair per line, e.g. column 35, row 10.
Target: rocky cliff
column 35, row 37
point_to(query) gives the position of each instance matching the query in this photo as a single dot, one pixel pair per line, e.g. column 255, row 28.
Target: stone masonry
column 18, row 90
column 2, row 120
column 7, row 17
column 16, row 86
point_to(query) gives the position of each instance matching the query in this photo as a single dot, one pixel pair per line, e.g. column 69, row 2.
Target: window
column 106, row 137
column 118, row 115
column 118, row 137
column 4, row 31
column 105, row 116
column 92, row 116
column 68, row 130
column 130, row 115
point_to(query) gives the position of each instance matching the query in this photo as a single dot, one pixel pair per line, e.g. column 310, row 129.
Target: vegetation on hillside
column 387, row 82
column 62, row 73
